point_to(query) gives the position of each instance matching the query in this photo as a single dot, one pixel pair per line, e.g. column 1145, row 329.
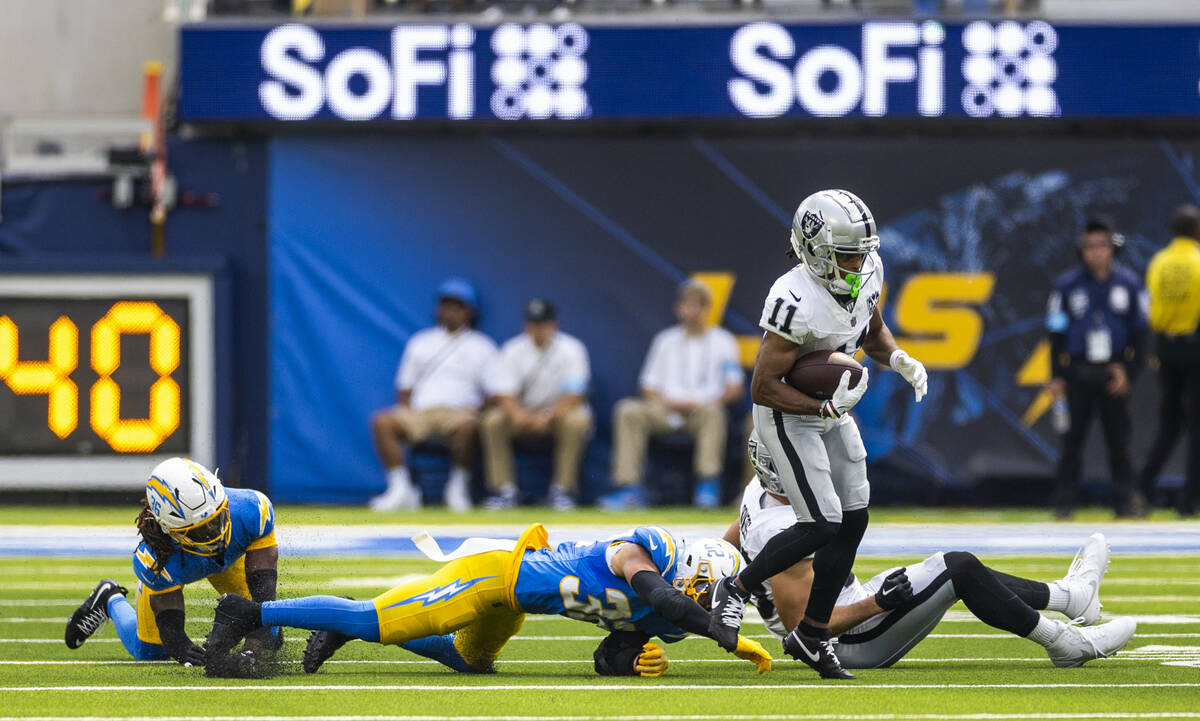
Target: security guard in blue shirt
column 1096, row 317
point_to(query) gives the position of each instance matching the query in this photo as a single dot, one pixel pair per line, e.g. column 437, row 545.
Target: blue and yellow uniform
column 574, row 580
column 482, row 598
column 252, row 522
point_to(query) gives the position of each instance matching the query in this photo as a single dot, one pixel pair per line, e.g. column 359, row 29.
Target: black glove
column 895, row 591
column 192, row 656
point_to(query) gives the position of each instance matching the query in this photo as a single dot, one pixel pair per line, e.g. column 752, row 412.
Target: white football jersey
column 801, row 309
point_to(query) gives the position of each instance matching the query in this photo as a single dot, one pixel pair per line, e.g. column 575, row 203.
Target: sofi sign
column 537, row 71
column 567, row 71
column 1006, row 69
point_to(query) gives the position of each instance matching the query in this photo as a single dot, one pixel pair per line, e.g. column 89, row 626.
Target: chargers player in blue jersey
column 637, row 585
column 192, row 529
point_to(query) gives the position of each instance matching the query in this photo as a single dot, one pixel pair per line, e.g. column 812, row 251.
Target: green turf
column 943, row 675
column 351, row 515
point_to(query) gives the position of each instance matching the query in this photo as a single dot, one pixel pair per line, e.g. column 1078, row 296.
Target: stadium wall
column 974, row 230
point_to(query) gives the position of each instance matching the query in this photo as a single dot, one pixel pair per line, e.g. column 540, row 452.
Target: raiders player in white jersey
column 876, row 623
column 830, row 301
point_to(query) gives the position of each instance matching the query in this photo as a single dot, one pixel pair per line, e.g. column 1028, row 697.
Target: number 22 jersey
column 575, row 580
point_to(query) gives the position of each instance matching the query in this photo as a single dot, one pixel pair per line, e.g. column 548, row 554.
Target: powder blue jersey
column 252, row 519
column 574, row 580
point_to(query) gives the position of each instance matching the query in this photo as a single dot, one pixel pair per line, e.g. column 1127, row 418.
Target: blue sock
column 357, row 619
column 440, row 649
column 125, row 619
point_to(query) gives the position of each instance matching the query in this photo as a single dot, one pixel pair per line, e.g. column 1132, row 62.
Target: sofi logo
column 831, row 81
column 538, row 73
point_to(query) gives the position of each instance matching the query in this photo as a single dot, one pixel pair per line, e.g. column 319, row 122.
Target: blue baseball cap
column 459, row 289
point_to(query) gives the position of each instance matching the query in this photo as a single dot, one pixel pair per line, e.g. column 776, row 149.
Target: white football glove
column 912, row 371
column 844, row 397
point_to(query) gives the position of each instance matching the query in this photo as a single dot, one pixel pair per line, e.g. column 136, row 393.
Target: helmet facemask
column 209, row 537
column 829, row 223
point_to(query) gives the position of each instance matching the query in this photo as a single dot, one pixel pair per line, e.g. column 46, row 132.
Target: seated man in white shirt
column 541, row 385
column 690, row 375
column 439, row 390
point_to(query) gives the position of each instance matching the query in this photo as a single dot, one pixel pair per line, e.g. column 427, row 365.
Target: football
column 817, row 374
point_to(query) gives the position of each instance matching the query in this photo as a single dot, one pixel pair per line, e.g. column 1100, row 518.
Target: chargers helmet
column 764, row 465
column 190, row 505
column 830, row 222
column 703, row 562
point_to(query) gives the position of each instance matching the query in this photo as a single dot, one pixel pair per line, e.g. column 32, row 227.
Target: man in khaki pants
column 440, row 386
column 540, row 384
column 689, row 377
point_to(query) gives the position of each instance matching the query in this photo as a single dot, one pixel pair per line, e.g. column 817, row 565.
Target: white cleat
column 458, row 495
column 397, row 498
column 1075, row 646
column 1082, row 581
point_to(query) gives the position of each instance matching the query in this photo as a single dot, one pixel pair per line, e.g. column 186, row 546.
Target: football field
column 963, row 670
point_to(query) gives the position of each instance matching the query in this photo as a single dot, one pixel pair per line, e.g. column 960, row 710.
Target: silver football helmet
column 764, row 466
column 829, row 222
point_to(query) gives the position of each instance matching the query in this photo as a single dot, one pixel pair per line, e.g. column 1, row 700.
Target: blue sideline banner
column 295, row 73
column 973, row 232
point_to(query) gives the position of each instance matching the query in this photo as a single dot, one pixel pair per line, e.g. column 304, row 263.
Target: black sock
column 832, row 563
column 990, row 600
column 1034, row 593
column 784, row 550
column 807, row 629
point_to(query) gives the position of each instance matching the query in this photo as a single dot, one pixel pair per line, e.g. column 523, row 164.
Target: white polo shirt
column 538, row 377
column 680, row 367
column 446, row 370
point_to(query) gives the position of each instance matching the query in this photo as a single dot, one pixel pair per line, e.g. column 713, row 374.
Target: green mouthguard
column 855, row 281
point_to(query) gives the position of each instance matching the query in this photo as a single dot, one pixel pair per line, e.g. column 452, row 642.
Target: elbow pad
column 617, row 653
column 669, row 603
column 262, row 584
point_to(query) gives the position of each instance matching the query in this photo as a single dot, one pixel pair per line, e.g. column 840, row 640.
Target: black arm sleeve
column 262, row 584
column 670, row 603
column 174, row 639
column 616, row 654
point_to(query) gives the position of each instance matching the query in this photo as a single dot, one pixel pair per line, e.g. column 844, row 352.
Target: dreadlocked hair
column 155, row 537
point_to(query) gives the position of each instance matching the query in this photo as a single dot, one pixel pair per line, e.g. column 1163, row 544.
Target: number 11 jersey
column 801, row 309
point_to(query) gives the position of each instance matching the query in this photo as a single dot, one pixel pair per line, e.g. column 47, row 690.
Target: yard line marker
column 801, row 686
column 503, row 661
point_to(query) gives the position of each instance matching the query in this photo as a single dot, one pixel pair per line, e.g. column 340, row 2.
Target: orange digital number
column 51, row 376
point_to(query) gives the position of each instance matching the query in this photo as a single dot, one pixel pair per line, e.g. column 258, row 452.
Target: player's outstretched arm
column 776, row 356
column 169, row 616
column 880, row 346
column 634, row 563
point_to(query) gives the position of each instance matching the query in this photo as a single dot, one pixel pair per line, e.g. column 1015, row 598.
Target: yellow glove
column 652, row 661
column 753, row 652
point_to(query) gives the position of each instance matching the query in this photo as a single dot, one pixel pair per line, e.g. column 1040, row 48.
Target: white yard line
column 598, row 637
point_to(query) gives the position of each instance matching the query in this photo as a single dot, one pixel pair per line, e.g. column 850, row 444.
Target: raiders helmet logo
column 811, row 224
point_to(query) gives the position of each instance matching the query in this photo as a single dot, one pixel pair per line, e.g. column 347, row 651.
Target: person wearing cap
column 440, row 387
column 541, row 386
column 1173, row 280
column 691, row 373
column 1096, row 317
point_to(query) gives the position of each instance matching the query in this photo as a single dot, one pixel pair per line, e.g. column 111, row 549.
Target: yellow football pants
column 231, row 580
column 473, row 596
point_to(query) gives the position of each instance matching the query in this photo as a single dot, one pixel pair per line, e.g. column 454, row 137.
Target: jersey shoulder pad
column 789, row 306
column 143, row 562
column 661, row 546
column 266, row 513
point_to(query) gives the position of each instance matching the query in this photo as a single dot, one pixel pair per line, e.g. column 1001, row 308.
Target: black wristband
column 669, row 603
column 170, row 629
column 262, row 584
